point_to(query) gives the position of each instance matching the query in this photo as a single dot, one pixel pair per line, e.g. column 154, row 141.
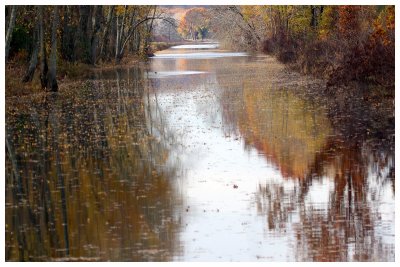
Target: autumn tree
column 348, row 23
column 195, row 24
column 328, row 24
column 235, row 26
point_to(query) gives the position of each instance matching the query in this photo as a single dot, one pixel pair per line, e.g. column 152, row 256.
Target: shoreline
column 375, row 114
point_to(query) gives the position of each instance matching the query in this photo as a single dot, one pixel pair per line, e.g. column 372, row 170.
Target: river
column 201, row 154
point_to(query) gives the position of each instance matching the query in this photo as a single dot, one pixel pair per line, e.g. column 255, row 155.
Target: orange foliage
column 193, row 19
column 384, row 27
column 348, row 21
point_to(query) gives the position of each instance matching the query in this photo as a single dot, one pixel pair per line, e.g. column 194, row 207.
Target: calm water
column 201, row 155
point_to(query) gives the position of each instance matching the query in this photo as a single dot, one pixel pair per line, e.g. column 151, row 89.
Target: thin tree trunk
column 106, row 30
column 43, row 57
column 67, row 46
column 137, row 41
column 52, row 79
column 10, row 29
column 120, row 35
column 149, row 30
column 122, row 31
column 34, row 57
column 97, row 15
column 117, row 42
column 82, row 41
column 313, row 22
column 130, row 33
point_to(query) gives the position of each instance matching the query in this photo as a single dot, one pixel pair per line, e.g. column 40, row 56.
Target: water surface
column 200, row 156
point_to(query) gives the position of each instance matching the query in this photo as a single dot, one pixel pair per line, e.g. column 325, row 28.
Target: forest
column 45, row 37
column 343, row 43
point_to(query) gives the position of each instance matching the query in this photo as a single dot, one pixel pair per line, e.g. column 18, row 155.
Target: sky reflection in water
column 205, row 159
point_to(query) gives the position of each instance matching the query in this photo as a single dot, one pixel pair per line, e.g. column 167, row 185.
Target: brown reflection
column 296, row 137
column 181, row 64
column 345, row 228
column 287, row 130
column 85, row 179
column 346, row 231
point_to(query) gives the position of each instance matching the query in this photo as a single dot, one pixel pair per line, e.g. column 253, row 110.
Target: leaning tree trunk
column 10, row 29
column 51, row 75
column 34, row 57
column 43, row 56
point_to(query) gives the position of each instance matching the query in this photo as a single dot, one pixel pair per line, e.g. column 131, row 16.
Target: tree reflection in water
column 91, row 172
column 85, row 178
column 332, row 198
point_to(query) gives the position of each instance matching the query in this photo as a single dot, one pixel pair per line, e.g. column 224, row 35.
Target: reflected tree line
column 296, row 136
column 85, row 179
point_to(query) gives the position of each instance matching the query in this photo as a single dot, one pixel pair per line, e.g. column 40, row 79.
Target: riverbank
column 372, row 108
column 358, row 117
column 357, row 110
column 68, row 72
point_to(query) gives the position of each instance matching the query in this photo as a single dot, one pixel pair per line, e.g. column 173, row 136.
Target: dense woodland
column 48, row 35
column 343, row 43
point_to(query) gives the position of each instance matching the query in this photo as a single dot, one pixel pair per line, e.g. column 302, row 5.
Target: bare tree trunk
column 137, row 41
column 117, row 41
column 106, row 30
column 82, row 41
column 149, row 30
column 10, row 29
column 43, row 57
column 96, row 21
column 313, row 22
column 51, row 75
column 316, row 12
column 122, row 31
column 119, row 47
column 129, row 35
column 34, row 57
column 67, row 45
column 7, row 15
column 124, row 37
